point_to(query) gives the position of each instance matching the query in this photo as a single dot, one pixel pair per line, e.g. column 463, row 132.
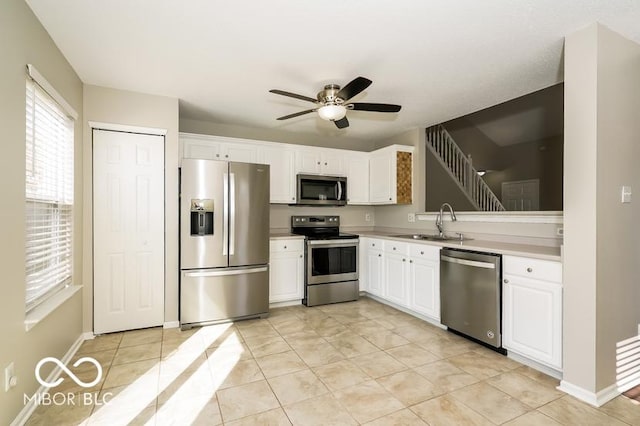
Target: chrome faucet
column 439, row 223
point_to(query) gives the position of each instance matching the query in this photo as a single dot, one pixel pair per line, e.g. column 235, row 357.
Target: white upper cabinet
column 356, row 166
column 212, row 148
column 319, row 161
column 390, row 175
column 379, row 177
column 283, row 182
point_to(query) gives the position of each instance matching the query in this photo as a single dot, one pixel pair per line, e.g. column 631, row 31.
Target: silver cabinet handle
column 506, row 281
column 379, row 255
column 285, row 247
column 529, row 270
column 411, row 261
column 373, row 244
column 318, row 163
column 421, row 252
column 301, row 256
column 404, row 260
column 394, row 248
column 325, row 164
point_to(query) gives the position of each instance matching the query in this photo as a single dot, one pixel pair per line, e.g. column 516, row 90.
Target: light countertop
column 284, row 236
column 524, row 250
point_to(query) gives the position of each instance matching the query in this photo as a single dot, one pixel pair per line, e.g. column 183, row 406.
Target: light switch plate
column 9, row 373
column 626, row 194
column 367, row 217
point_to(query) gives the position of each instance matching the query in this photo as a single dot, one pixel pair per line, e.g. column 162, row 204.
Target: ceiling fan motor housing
column 328, row 96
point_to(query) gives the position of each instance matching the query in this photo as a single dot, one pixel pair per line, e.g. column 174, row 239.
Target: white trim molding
column 35, row 75
column 597, row 399
column 127, row 128
column 555, row 217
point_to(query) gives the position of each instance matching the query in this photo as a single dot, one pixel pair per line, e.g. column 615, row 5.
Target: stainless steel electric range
column 331, row 260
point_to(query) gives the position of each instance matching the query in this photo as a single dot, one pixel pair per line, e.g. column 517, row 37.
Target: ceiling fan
column 333, row 102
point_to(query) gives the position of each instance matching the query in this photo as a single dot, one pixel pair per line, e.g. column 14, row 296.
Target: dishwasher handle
column 474, row 263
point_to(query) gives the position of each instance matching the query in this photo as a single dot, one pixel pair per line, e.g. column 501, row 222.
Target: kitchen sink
column 433, row 237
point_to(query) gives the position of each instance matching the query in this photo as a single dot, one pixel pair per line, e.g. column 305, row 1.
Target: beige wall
column 273, row 135
column 23, row 40
column 602, row 100
column 134, row 109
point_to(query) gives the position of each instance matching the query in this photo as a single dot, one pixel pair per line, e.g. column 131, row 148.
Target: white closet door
column 128, row 231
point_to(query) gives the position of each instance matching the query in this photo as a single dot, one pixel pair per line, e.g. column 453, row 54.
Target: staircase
column 461, row 170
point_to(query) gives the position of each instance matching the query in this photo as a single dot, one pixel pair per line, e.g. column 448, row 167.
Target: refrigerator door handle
column 232, row 212
column 225, row 272
column 225, row 214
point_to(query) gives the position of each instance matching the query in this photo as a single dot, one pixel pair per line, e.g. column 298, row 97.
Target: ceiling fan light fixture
column 332, row 112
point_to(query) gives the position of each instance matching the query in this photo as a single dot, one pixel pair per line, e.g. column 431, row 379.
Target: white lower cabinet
column 396, row 268
column 375, row 267
column 286, row 270
column 532, row 309
column 424, row 280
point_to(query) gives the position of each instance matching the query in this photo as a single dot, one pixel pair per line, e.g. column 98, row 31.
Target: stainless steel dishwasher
column 470, row 295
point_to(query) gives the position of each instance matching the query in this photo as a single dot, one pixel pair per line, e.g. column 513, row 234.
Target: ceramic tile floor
column 350, row 363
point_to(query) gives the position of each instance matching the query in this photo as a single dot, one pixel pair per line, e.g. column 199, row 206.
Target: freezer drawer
column 210, row 295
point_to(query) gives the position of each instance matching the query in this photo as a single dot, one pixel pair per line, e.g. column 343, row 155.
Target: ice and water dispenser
column 201, row 217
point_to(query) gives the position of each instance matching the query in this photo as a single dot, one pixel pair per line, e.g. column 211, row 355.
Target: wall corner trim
column 597, row 399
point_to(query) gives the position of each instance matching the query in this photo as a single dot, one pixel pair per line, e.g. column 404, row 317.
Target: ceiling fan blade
column 354, row 87
column 342, row 123
column 293, row 95
column 364, row 106
column 286, row 117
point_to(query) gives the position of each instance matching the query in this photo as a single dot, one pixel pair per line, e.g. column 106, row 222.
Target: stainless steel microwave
column 317, row 190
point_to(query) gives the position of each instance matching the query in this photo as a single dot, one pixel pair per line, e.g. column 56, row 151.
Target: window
column 48, row 194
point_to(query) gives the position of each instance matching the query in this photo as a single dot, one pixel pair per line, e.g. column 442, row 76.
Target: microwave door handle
column 225, row 215
column 339, row 191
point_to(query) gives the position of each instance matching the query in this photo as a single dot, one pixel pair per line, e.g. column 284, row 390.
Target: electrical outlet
column 411, row 217
column 367, row 217
column 10, row 379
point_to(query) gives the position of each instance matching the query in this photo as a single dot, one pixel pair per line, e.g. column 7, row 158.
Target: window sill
column 41, row 311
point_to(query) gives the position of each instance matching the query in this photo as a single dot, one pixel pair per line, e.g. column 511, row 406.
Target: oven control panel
column 314, row 221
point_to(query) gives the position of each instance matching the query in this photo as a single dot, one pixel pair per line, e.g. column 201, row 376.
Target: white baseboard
column 31, row 406
column 171, row 324
column 597, row 399
column 535, row 365
column 88, row 335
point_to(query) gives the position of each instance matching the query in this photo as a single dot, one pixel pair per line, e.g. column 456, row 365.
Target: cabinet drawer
column 423, row 251
column 532, row 268
column 375, row 244
column 276, row 246
column 396, row 247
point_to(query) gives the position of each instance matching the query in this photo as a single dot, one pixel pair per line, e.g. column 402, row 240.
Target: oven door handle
column 333, row 243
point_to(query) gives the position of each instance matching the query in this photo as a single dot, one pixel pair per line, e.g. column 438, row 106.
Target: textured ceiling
column 438, row 59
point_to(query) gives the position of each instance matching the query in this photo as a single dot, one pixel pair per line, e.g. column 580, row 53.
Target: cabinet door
column 331, row 164
column 532, row 319
column 200, row 149
column 396, row 274
column 242, row 153
column 375, row 272
column 308, row 161
column 363, row 253
column 286, row 276
column 357, row 171
column 381, row 179
column 424, row 286
column 283, row 181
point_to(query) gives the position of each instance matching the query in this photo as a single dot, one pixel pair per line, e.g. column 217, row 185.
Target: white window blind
column 49, row 195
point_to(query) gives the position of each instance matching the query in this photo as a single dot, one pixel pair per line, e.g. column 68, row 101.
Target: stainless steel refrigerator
column 224, row 241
